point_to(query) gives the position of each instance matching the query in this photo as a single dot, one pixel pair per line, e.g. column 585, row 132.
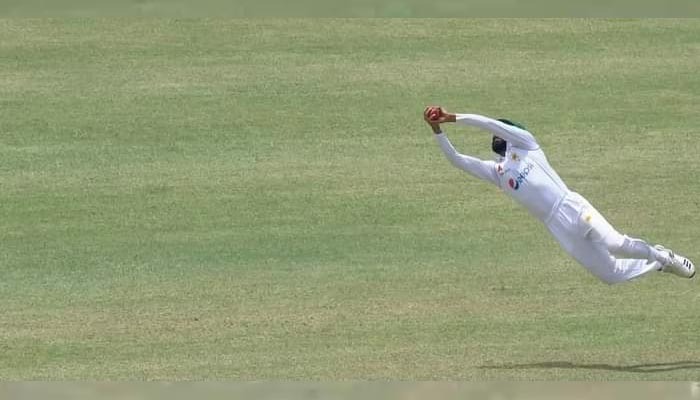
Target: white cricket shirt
column 524, row 173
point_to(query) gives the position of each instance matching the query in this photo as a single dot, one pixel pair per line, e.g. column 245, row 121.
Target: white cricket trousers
column 585, row 234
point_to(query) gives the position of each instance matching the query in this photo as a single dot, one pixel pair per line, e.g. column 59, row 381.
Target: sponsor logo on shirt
column 521, row 178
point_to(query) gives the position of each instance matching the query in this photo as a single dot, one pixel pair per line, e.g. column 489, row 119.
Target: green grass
column 254, row 199
column 351, row 390
column 352, row 8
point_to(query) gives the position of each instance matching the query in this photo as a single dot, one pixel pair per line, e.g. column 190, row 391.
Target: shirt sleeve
column 516, row 136
column 485, row 170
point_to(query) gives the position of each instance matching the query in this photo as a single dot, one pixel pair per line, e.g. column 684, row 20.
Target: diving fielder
column 524, row 173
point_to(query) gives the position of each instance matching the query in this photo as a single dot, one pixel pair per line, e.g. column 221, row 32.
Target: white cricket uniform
column 525, row 175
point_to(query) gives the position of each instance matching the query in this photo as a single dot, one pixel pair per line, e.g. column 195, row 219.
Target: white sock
column 661, row 256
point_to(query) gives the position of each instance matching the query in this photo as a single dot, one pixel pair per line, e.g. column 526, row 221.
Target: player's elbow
column 456, row 162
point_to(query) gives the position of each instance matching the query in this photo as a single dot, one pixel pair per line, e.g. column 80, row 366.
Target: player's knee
column 614, row 273
column 615, row 244
column 606, row 270
column 613, row 241
column 608, row 275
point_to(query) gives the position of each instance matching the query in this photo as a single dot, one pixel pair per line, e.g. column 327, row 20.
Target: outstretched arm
column 518, row 137
column 485, row 170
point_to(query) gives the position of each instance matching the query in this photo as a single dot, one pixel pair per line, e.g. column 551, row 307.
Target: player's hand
column 431, row 117
column 436, row 114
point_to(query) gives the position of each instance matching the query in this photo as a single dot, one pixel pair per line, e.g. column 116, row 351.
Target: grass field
column 352, row 8
column 256, row 199
column 351, row 390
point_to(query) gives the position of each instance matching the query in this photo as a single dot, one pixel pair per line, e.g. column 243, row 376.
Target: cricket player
column 524, row 174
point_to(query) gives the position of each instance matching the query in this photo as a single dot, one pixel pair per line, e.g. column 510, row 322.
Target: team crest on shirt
column 500, row 170
column 520, row 179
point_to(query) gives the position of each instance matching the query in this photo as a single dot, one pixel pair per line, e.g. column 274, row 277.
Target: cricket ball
column 434, row 114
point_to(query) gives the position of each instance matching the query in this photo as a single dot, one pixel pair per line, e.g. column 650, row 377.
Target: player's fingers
column 435, row 114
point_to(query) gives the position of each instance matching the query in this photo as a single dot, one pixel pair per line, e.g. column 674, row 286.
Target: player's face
column 498, row 145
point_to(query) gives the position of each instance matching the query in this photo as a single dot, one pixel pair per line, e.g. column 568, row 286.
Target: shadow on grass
column 637, row 368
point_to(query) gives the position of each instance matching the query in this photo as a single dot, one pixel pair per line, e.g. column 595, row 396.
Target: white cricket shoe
column 679, row 265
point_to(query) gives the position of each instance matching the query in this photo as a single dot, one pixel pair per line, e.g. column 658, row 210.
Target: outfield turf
column 253, row 199
column 353, row 8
